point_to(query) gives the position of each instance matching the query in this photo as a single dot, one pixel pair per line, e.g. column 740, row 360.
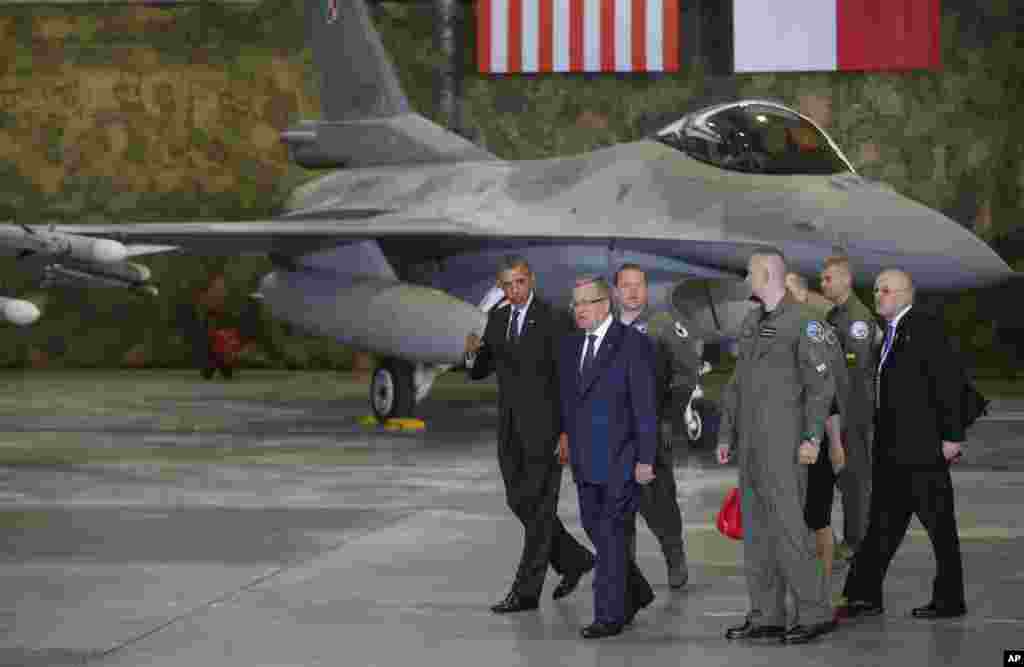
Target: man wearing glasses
column 609, row 421
column 520, row 344
column 919, row 433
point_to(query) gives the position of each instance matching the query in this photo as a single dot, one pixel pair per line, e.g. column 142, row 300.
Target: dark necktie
column 513, row 327
column 890, row 333
column 588, row 354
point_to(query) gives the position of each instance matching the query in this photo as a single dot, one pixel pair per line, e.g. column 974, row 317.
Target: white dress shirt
column 600, row 331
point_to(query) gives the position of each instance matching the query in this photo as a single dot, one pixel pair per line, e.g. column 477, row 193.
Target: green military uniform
column 857, row 330
column 676, row 374
column 778, row 396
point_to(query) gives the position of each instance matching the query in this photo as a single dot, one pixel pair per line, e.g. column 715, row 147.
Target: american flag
column 577, row 36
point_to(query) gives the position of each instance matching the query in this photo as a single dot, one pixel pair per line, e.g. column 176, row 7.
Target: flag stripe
column 545, row 46
column 483, row 35
column 785, row 35
column 889, row 35
column 499, row 36
column 638, row 43
column 515, row 35
column 592, row 35
column 670, row 38
column 654, row 22
column 608, row 35
column 530, row 49
column 623, row 36
column 576, row 28
column 561, row 36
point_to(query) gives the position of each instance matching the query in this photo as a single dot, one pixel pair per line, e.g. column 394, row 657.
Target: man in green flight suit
column 678, row 361
column 773, row 415
column 858, row 332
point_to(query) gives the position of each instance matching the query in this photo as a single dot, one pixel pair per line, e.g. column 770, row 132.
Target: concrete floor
column 160, row 520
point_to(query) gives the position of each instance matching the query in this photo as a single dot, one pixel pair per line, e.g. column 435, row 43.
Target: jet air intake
column 715, row 308
column 389, row 318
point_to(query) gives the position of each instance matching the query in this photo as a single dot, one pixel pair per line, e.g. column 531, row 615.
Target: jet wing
column 296, row 236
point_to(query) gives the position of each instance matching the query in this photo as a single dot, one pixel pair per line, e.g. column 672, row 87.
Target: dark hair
column 628, row 266
column 509, row 262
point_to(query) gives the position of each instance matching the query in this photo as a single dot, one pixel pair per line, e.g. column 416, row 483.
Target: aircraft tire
column 391, row 389
column 710, row 416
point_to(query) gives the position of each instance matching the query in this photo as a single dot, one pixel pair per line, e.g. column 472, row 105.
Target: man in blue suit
column 609, row 424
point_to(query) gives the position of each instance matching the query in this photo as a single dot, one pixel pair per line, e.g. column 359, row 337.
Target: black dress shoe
column 801, row 634
column 598, row 630
column 639, row 604
column 515, row 602
column 932, row 610
column 858, row 608
column 569, row 582
column 753, row 631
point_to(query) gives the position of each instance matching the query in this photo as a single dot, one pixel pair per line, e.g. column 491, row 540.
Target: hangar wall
column 115, row 112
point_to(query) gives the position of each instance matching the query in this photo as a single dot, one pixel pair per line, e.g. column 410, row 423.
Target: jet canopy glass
column 759, row 138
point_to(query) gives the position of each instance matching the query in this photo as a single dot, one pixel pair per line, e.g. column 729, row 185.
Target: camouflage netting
column 114, row 113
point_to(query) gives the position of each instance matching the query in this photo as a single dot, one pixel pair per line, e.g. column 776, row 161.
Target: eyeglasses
column 588, row 302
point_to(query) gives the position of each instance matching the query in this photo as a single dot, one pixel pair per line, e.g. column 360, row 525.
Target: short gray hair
column 600, row 282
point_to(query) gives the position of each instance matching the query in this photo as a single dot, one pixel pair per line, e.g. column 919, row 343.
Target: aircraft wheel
column 693, row 426
column 709, row 415
column 391, row 389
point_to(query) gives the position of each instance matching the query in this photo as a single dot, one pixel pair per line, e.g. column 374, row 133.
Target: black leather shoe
column 859, row 608
column 598, row 630
column 642, row 603
column 515, row 602
column 932, row 610
column 801, row 634
column 569, row 583
column 753, row 631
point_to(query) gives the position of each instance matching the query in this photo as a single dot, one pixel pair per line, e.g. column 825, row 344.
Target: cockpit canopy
column 755, row 137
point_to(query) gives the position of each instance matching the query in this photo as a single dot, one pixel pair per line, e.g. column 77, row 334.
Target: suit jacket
column 919, row 395
column 527, row 374
column 610, row 414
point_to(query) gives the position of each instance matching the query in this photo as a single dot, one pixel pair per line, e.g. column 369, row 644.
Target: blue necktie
column 588, row 354
column 890, row 334
column 513, row 327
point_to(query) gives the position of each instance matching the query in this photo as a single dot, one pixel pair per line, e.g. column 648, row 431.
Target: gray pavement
column 153, row 519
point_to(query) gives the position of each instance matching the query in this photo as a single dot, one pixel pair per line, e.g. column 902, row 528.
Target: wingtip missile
column 18, row 311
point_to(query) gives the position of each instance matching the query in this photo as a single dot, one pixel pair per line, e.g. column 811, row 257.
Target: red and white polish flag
column 807, row 35
column 577, row 36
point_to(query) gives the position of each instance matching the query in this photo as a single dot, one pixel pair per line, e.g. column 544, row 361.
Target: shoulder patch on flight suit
column 681, row 331
column 815, row 331
column 859, row 330
column 830, row 337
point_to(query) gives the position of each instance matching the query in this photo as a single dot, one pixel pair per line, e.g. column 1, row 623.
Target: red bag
column 226, row 343
column 730, row 520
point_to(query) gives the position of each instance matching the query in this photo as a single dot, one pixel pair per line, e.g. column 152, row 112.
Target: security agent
column 520, row 344
column 857, row 331
column 774, row 410
column 919, row 433
column 821, row 476
column 677, row 362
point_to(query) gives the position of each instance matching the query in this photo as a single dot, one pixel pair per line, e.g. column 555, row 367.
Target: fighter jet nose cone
column 108, row 251
column 19, row 312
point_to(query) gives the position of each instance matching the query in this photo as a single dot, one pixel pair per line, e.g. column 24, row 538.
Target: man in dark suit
column 609, row 419
column 918, row 433
column 520, row 344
